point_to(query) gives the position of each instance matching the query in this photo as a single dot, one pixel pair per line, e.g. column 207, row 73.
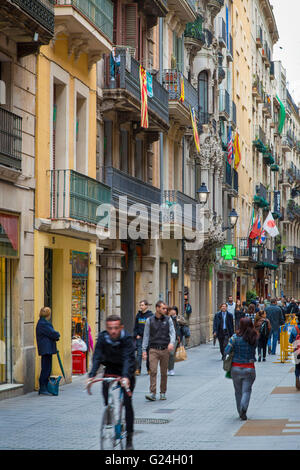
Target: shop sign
column 174, row 268
column 80, row 264
column 277, row 202
column 228, row 252
column 9, row 235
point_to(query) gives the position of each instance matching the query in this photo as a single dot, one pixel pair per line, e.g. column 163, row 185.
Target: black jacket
column 218, row 323
column 117, row 356
column 140, row 321
column 46, row 337
column 275, row 315
column 292, row 308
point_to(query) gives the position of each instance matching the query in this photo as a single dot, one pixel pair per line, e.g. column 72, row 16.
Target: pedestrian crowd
column 245, row 329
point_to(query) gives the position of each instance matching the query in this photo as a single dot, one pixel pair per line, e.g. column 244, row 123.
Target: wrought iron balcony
column 76, row 196
column 230, row 48
column 267, row 106
column 194, row 34
column 224, row 105
column 231, row 178
column 260, row 139
column 266, row 54
column 180, row 209
column 136, row 190
column 233, row 114
column 259, row 36
column 261, row 198
column 121, row 92
column 257, row 90
column 247, row 251
column 272, row 70
column 182, row 95
column 10, row 139
column 267, row 258
column 25, row 18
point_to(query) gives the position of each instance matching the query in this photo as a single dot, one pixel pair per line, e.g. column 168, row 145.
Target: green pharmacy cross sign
column 228, row 251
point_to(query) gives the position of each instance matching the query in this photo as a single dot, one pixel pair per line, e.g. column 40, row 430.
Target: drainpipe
column 161, row 136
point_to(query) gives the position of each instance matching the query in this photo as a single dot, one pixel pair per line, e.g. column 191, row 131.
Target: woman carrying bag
column 263, row 327
column 46, row 338
column 243, row 345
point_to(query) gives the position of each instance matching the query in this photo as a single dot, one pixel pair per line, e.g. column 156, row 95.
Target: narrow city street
column 199, row 412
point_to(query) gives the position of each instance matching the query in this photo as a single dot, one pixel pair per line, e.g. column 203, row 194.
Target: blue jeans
column 274, row 336
column 243, row 379
column 139, row 355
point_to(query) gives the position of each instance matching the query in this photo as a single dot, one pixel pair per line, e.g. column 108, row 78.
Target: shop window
column 80, row 263
column 9, row 235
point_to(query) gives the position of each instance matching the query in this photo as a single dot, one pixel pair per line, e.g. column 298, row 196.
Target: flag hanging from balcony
column 236, row 151
column 144, row 100
column 256, row 229
column 270, row 226
column 195, row 130
column 229, row 147
column 181, row 99
column 262, row 237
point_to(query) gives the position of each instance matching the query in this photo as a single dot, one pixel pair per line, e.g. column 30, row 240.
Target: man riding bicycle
column 115, row 350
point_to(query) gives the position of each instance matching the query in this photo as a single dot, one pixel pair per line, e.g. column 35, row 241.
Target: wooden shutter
column 130, row 25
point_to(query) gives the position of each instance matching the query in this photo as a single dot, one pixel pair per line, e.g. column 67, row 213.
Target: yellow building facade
column 67, row 192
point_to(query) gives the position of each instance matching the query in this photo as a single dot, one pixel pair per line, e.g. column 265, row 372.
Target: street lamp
column 232, row 218
column 203, row 194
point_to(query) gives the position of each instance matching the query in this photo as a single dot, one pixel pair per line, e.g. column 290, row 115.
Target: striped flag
column 195, row 130
column 262, row 238
column 144, row 100
column 237, row 152
column 230, row 147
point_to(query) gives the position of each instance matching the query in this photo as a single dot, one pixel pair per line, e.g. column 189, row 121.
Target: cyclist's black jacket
column 117, row 356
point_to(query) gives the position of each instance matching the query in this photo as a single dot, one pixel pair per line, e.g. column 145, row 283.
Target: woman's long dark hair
column 247, row 331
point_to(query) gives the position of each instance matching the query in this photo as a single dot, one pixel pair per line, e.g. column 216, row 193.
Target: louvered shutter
column 130, row 26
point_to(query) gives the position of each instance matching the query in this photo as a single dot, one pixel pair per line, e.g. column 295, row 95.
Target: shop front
column 9, row 250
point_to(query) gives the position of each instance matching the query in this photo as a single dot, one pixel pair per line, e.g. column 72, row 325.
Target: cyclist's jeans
column 129, row 414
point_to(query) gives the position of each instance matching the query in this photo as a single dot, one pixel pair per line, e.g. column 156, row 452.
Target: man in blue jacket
column 275, row 315
column 138, row 333
column 46, row 338
column 115, row 350
column 223, row 327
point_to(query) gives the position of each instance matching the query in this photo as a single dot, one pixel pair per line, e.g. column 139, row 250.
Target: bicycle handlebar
column 113, row 378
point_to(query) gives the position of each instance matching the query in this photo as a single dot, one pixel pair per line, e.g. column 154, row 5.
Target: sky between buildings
column 287, row 49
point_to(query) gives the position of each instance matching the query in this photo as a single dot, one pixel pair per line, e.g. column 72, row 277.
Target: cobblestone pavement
column 200, row 409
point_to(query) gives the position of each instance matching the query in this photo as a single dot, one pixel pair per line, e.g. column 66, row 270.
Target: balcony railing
column 233, row 114
column 179, row 208
column 222, row 32
column 259, row 36
column 224, row 103
column 194, row 30
column 172, row 83
column 98, row 12
column 10, row 139
column 136, row 190
column 259, row 139
column 127, row 76
column 230, row 48
column 41, row 11
column 77, row 196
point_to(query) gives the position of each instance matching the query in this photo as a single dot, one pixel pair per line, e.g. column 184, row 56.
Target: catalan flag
column 181, row 99
column 230, row 147
column 144, row 99
column 236, row 151
column 195, row 130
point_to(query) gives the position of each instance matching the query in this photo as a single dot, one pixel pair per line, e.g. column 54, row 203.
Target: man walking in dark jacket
column 223, row 327
column 275, row 315
column 138, row 333
column 115, row 350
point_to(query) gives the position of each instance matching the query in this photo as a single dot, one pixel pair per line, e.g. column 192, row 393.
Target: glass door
column 5, row 325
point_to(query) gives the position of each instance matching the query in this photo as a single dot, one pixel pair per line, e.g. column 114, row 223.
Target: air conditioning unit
column 2, row 92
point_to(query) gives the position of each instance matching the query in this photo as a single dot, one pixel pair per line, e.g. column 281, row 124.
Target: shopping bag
column 180, row 354
column 53, row 385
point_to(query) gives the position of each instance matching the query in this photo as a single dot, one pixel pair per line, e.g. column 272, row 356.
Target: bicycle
column 113, row 427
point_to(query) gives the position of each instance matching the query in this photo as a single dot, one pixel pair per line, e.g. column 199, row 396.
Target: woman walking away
column 239, row 313
column 263, row 327
column 251, row 312
column 261, row 303
column 46, row 338
column 243, row 344
column 173, row 312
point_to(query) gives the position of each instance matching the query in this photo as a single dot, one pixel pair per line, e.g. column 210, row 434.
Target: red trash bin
column 78, row 362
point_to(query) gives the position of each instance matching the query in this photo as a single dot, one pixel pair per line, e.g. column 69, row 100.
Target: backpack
column 264, row 330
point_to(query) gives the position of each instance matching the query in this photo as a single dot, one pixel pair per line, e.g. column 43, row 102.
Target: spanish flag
column 195, row 130
column 236, row 151
column 181, row 99
column 144, row 100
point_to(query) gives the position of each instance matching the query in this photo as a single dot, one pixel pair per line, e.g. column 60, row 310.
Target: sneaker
column 171, row 372
column 137, row 372
column 151, row 397
column 163, row 396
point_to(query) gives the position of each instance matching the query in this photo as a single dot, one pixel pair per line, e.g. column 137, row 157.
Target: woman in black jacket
column 46, row 338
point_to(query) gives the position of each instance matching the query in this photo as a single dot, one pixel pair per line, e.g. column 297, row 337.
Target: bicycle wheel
column 107, row 430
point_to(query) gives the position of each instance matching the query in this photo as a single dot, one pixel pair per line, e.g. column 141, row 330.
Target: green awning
column 282, row 114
